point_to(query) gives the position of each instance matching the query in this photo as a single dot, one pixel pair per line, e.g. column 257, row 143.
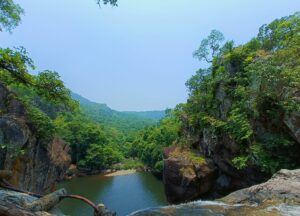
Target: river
column 123, row 194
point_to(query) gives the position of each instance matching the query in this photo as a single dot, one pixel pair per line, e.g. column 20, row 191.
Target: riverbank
column 127, row 167
column 121, row 173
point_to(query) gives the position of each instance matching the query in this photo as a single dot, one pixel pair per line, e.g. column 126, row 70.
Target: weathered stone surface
column 185, row 179
column 284, row 185
column 292, row 121
column 13, row 204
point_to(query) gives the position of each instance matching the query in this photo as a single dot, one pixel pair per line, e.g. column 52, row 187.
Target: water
column 123, row 194
column 217, row 208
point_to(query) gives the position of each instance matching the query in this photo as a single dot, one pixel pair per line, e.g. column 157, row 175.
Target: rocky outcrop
column 186, row 175
column 189, row 175
column 217, row 146
column 278, row 196
column 284, row 186
column 292, row 121
column 36, row 163
column 12, row 203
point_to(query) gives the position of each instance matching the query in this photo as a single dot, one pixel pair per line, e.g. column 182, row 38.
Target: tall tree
column 209, row 47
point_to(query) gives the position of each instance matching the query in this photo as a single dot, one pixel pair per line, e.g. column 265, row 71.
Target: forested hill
column 124, row 121
column 154, row 115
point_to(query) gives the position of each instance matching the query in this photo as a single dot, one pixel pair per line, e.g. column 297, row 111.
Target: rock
column 278, row 196
column 37, row 164
column 217, row 144
column 283, row 186
column 186, row 176
column 71, row 172
column 292, row 121
column 11, row 204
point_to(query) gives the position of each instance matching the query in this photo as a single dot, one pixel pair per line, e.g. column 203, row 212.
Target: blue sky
column 136, row 56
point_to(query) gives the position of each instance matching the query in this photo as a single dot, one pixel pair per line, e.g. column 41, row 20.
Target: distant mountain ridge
column 127, row 121
column 155, row 115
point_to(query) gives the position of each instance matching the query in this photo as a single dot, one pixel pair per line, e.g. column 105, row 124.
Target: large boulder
column 186, row 175
column 284, row 186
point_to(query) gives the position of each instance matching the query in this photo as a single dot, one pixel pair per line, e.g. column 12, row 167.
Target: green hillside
column 126, row 122
column 154, row 115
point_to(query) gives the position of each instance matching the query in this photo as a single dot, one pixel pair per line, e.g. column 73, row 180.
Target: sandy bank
column 121, row 172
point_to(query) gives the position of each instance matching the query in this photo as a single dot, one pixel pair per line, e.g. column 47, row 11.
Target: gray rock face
column 219, row 147
column 13, row 203
column 278, row 196
column 283, row 186
column 292, row 121
column 185, row 179
column 36, row 163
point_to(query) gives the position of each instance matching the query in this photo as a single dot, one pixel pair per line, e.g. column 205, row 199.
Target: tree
column 209, row 47
column 100, row 157
column 14, row 66
column 280, row 32
column 251, row 88
column 49, row 85
column 10, row 15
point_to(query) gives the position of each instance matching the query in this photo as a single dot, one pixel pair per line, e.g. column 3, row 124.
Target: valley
column 231, row 148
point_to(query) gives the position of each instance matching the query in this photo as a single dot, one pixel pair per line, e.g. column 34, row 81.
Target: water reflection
column 123, row 194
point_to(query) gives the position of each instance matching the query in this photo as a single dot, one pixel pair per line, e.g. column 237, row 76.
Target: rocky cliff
column 243, row 110
column 186, row 179
column 36, row 163
column 219, row 150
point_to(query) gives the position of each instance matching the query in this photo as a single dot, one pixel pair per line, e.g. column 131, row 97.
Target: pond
column 123, row 194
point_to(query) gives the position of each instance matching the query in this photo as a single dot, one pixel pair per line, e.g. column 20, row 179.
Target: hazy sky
column 138, row 55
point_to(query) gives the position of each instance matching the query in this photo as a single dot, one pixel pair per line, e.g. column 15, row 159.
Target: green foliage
column 80, row 133
column 100, row 157
column 210, row 46
column 129, row 164
column 49, row 85
column 127, row 123
column 241, row 162
column 238, row 126
column 248, row 91
column 149, row 143
column 280, row 33
column 40, row 122
column 14, row 66
column 10, row 15
column 43, row 96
